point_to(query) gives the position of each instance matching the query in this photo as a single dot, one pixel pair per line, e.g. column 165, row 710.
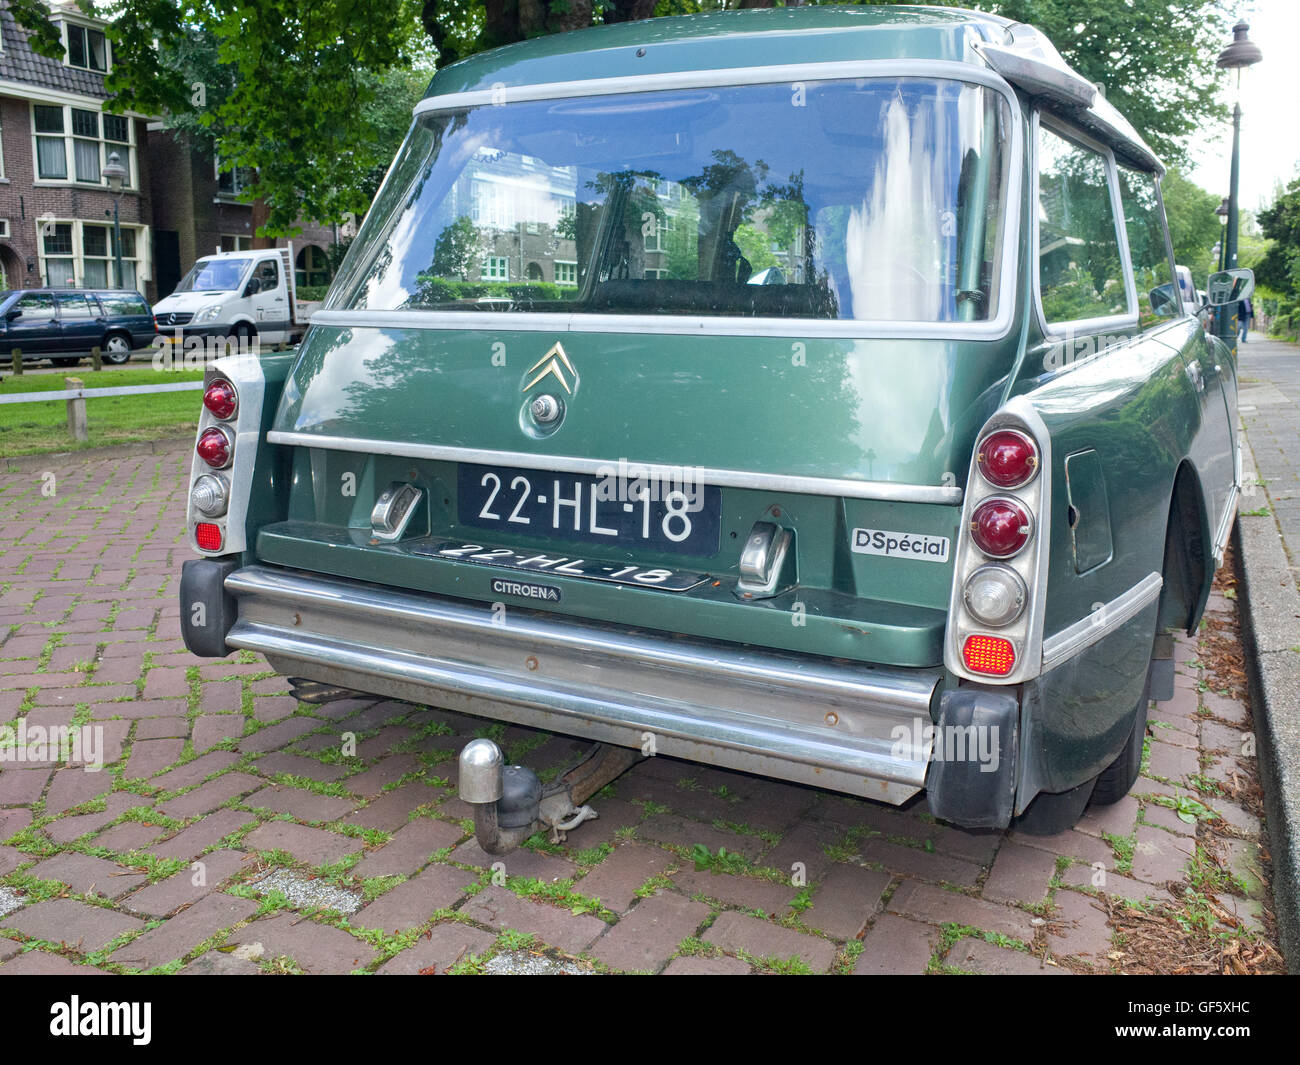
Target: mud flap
column 972, row 776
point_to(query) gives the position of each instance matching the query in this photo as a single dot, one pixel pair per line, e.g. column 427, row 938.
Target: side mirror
column 1229, row 286
column 253, row 287
column 11, row 315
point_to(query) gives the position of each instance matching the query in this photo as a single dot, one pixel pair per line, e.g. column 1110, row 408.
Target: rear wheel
column 117, row 349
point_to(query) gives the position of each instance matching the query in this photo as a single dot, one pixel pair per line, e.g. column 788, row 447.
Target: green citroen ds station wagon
column 802, row 391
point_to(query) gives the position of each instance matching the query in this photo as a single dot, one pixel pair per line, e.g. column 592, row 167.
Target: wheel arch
column 1189, row 554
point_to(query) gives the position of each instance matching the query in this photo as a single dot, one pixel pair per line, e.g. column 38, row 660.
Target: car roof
column 794, row 36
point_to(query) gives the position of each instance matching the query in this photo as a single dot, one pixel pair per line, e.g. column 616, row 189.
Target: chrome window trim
column 1103, row 621
column 696, row 325
column 798, row 484
column 1117, row 322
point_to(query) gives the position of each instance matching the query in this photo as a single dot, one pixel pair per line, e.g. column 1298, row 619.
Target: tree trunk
column 261, row 212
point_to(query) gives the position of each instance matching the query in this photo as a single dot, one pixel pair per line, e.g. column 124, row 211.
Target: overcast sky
column 1270, row 106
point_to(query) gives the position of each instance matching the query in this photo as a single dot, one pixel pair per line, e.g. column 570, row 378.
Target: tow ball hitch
column 511, row 803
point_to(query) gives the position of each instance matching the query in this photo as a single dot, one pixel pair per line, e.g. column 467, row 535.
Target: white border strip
column 948, row 495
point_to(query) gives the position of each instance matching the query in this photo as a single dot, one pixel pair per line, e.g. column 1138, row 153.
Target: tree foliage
column 1279, row 268
column 312, row 95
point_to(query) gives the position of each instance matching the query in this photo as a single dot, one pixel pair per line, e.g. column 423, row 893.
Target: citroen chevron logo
column 554, row 363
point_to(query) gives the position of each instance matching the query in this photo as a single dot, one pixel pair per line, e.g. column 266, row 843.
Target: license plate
column 668, row 580
column 673, row 517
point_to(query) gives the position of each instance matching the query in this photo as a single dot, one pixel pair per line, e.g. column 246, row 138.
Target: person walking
column 1245, row 313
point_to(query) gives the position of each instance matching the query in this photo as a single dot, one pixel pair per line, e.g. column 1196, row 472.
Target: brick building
column 56, row 209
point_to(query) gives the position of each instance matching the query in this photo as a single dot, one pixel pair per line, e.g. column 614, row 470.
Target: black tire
column 1117, row 778
column 70, row 360
column 1050, row 814
column 243, row 335
column 116, row 350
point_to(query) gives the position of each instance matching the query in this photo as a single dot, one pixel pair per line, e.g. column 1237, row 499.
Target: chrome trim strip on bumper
column 949, row 495
column 1101, row 622
column 844, row 726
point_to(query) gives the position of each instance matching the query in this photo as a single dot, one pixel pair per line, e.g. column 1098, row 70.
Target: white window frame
column 106, row 147
column 566, row 262
column 143, row 265
column 488, row 272
column 87, row 29
column 237, row 186
column 238, row 242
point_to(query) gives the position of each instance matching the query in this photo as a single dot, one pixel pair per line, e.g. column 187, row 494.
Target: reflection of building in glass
column 522, row 211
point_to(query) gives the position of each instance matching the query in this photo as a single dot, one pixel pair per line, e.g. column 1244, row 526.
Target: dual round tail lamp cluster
column 1000, row 526
column 210, row 493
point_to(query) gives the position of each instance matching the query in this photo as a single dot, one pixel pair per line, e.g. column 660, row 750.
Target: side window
column 36, row 305
column 1079, row 270
column 269, row 274
column 1144, row 222
column 75, row 305
column 122, row 305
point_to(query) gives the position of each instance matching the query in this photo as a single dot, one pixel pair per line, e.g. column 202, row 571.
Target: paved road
column 232, row 831
column 1270, row 412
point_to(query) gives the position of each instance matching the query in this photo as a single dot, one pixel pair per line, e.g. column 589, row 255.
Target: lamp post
column 1239, row 56
column 115, row 174
column 1222, row 212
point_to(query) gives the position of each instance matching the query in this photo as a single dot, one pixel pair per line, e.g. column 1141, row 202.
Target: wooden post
column 76, row 411
column 95, row 361
column 16, row 356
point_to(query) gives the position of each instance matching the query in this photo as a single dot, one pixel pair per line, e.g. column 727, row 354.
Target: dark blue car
column 62, row 325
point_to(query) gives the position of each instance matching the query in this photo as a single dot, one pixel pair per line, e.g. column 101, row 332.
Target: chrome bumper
column 832, row 724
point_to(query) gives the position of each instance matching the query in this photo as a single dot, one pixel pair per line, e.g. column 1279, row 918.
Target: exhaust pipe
column 510, row 803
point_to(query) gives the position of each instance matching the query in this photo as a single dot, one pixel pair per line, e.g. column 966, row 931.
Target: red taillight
column 214, row 448
column 220, row 398
column 993, row 655
column 208, row 536
column 1007, row 458
column 1001, row 527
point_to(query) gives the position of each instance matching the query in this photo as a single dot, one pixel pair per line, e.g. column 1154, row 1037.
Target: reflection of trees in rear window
column 1080, row 275
column 855, row 201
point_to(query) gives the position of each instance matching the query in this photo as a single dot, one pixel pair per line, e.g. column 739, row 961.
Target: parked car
column 918, row 512
column 62, row 325
column 240, row 294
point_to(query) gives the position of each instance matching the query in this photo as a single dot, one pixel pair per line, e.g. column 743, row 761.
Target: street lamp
column 115, row 174
column 1222, row 212
column 1239, row 56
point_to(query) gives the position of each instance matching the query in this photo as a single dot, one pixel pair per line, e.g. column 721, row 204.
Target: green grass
column 34, row 428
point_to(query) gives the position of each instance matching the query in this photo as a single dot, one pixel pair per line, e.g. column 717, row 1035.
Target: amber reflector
column 993, row 655
column 208, row 536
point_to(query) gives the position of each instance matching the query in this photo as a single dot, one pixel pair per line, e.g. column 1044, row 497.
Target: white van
column 240, row 294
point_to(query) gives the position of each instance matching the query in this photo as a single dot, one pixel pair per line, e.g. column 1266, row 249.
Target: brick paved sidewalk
column 234, row 831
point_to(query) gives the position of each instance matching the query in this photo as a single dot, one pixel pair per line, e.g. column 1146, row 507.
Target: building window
column 495, row 268
column 233, row 180
column 312, row 267
column 566, row 273
column 231, row 242
column 87, row 48
column 76, row 254
column 73, row 143
column 51, row 152
column 60, row 265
